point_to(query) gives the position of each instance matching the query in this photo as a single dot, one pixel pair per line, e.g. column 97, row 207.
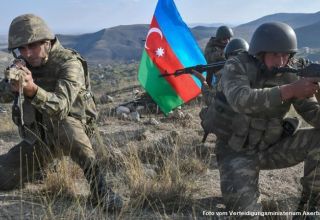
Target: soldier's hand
column 300, row 89
column 199, row 76
column 29, row 88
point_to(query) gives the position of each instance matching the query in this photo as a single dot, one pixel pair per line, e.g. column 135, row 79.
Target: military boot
column 101, row 194
column 307, row 206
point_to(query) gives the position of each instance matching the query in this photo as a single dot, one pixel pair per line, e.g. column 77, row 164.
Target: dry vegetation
column 162, row 171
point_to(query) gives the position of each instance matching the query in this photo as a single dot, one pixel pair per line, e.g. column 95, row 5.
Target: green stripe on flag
column 157, row 87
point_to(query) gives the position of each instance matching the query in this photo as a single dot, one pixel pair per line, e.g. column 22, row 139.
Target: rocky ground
column 156, row 163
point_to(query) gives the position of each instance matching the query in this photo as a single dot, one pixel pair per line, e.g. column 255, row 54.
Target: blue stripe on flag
column 178, row 35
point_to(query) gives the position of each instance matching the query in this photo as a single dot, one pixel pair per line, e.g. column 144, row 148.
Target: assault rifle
column 13, row 72
column 312, row 71
column 200, row 68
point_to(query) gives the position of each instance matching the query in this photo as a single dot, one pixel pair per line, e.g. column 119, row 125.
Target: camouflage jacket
column 214, row 51
column 207, row 94
column 255, row 98
column 63, row 90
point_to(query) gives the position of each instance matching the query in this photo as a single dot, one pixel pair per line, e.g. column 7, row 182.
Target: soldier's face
column 34, row 53
column 276, row 59
column 225, row 41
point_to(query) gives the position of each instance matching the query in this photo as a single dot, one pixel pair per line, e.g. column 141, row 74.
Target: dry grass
column 61, row 179
column 159, row 191
column 169, row 190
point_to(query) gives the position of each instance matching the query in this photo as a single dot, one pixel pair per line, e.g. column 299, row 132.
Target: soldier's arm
column 242, row 98
column 207, row 92
column 309, row 109
column 58, row 103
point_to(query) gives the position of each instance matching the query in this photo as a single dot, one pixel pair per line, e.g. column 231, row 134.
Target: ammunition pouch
column 217, row 119
column 88, row 113
column 258, row 133
column 243, row 132
column 239, row 133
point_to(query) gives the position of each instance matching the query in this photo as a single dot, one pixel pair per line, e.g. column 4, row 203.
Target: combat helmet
column 273, row 37
column 235, row 46
column 224, row 32
column 26, row 29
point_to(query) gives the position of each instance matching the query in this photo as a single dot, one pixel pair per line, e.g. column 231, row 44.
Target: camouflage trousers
column 24, row 162
column 239, row 171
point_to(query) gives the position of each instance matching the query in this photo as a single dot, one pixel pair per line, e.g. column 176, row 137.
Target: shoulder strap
column 84, row 65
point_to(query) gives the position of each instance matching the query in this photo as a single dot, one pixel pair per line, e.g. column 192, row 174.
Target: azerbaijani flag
column 169, row 46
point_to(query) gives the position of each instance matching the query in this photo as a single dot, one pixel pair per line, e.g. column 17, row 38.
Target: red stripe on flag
column 164, row 58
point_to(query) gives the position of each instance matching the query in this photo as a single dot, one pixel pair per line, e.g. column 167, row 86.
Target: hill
column 308, row 35
column 124, row 43
column 121, row 43
column 295, row 20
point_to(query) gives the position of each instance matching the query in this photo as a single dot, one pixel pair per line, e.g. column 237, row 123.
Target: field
column 162, row 169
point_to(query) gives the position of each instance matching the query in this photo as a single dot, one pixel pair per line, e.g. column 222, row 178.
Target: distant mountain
column 201, row 32
column 121, row 43
column 295, row 20
column 192, row 25
column 125, row 42
column 3, row 41
column 308, row 36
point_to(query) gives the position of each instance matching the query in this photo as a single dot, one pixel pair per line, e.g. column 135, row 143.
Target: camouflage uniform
column 60, row 116
column 214, row 52
column 56, row 119
column 207, row 94
column 254, row 137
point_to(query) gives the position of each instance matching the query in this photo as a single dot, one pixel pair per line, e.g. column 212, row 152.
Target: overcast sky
column 83, row 16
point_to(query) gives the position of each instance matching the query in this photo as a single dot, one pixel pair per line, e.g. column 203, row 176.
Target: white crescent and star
column 160, row 50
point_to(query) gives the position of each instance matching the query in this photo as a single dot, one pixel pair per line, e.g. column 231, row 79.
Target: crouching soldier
column 253, row 103
column 57, row 113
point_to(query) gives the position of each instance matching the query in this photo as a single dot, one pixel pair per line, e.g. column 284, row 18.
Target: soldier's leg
column 23, row 163
column 303, row 146
column 289, row 151
column 239, row 177
column 77, row 144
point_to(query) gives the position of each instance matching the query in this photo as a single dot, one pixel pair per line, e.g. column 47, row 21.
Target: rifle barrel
column 199, row 68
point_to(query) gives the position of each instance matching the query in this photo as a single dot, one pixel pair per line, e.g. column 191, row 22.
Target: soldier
column 58, row 111
column 252, row 132
column 233, row 48
column 214, row 50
